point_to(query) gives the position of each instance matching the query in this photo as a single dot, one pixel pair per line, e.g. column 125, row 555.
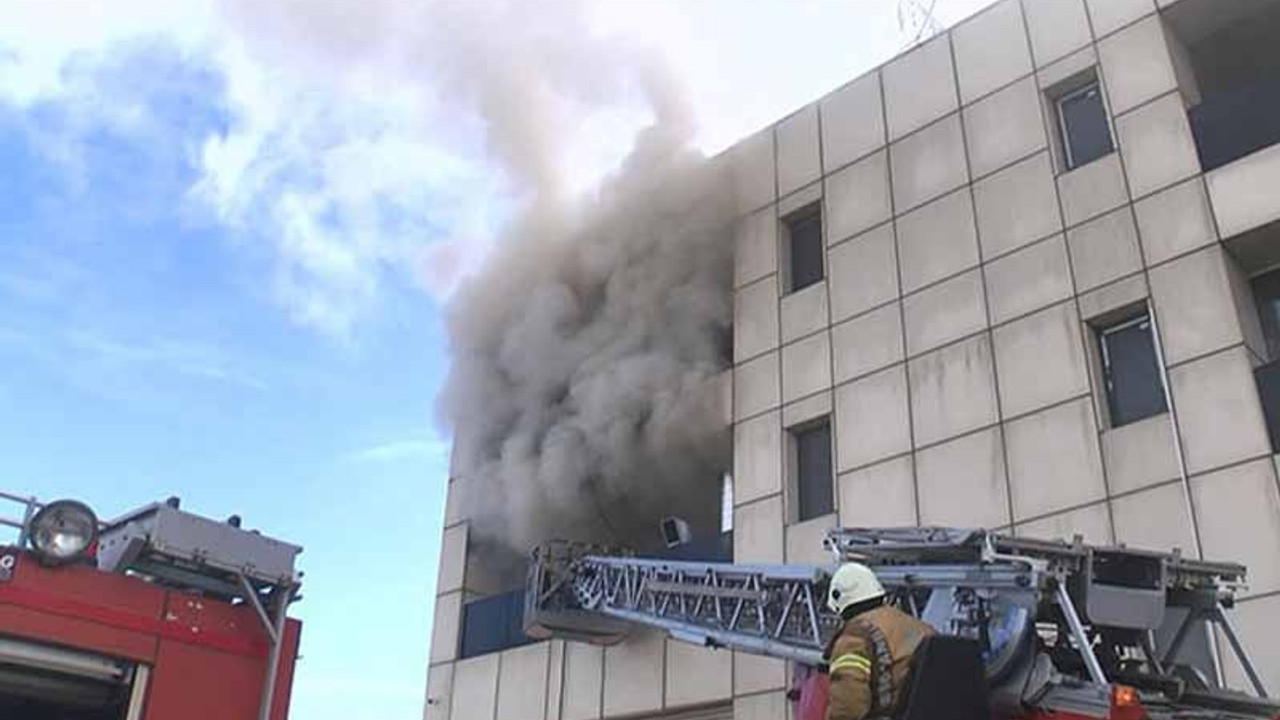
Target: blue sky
column 224, row 255
column 144, row 356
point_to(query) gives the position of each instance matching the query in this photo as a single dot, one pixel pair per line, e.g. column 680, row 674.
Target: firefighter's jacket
column 868, row 662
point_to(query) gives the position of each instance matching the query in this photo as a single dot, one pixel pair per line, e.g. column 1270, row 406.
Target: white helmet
column 853, row 583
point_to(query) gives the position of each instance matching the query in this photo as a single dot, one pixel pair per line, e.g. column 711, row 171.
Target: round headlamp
column 62, row 531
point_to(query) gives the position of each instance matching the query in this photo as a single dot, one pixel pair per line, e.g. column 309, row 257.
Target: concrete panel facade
column 522, row 682
column 991, row 50
column 963, row 482
column 1056, row 27
column 1040, row 360
column 444, row 629
column 755, row 319
column 919, row 87
column 1029, row 279
column 1104, row 249
column 852, row 121
column 475, row 688
column 937, row 240
column 798, row 161
column 1137, row 64
column 873, row 419
column 633, row 674
column 583, row 681
column 1107, row 16
column 1054, row 461
column 867, row 343
column 1016, row 206
column 953, row 391
column 806, row 367
column 757, row 386
column 1219, row 415
column 1175, row 221
column 953, row 340
column 1157, row 146
column 757, row 449
column 757, row 531
column 1239, row 513
column 1004, row 127
column 755, row 247
column 1140, row 454
column 1091, row 190
column 1241, row 192
column 754, row 673
column 864, row 273
column 944, row 312
column 805, row 312
column 765, row 706
column 697, row 675
column 453, row 559
column 1194, row 299
column 928, row 164
column 881, row 495
column 858, row 197
column 439, row 689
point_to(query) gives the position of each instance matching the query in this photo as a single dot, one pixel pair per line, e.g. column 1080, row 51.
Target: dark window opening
column 813, row 480
column 1131, row 370
column 724, row 347
column 804, row 243
column 1082, row 125
column 1230, row 65
column 1266, row 295
column 493, row 624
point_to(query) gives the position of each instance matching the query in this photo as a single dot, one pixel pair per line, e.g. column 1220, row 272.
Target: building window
column 811, row 452
column 724, row 347
column 1083, row 130
column 803, row 230
column 726, row 503
column 1131, row 370
column 1266, row 293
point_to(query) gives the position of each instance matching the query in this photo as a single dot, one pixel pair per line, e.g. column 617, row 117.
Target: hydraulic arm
column 1061, row 624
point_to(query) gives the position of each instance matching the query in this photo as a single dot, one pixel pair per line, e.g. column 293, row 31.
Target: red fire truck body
column 80, row 642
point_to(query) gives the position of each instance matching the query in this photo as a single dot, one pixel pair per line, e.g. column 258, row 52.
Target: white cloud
column 144, row 357
column 346, row 164
column 411, row 448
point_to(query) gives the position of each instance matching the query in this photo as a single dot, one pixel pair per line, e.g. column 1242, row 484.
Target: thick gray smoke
column 579, row 396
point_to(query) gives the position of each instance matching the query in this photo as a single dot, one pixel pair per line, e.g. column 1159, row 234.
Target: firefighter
column 869, row 658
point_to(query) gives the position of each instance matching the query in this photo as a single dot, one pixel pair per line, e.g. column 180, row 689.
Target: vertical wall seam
column 784, row 483
column 1176, row 430
column 1081, row 328
column 1158, row 335
column 986, row 297
column 828, row 279
column 899, row 298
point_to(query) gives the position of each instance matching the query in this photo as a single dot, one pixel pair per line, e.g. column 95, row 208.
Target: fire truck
column 160, row 614
column 1028, row 629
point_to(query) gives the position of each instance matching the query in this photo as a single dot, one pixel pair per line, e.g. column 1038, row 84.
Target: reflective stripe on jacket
column 854, row 667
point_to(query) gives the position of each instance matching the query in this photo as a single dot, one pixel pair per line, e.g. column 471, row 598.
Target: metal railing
column 19, row 522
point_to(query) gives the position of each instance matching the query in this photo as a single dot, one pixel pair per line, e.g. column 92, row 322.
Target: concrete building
column 1018, row 277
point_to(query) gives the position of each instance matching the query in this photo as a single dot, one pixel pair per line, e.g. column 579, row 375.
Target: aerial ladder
column 1065, row 629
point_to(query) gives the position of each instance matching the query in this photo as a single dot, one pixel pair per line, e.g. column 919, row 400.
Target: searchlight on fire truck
column 160, row 614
